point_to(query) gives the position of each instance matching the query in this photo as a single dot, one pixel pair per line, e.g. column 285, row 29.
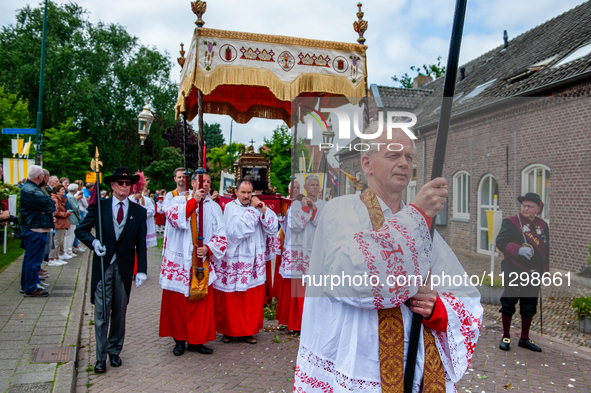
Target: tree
column 160, row 172
column 66, row 153
column 97, row 74
column 212, row 133
column 433, row 70
column 13, row 114
column 278, row 151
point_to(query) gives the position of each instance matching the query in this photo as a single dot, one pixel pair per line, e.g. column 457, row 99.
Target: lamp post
column 145, row 119
column 327, row 139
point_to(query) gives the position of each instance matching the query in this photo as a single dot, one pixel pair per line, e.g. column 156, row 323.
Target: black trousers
column 526, row 295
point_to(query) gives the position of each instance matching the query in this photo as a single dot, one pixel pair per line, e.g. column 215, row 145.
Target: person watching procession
column 187, row 308
column 57, row 256
column 302, row 221
column 361, row 330
column 240, row 284
column 74, row 219
column 524, row 240
column 49, row 244
column 36, row 210
column 123, row 232
column 82, row 206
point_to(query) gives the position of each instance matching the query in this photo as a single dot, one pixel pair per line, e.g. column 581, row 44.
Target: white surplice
column 177, row 252
column 339, row 345
column 151, row 240
column 243, row 267
column 302, row 226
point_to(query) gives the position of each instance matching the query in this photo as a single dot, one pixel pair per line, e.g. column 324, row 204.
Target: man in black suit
column 123, row 232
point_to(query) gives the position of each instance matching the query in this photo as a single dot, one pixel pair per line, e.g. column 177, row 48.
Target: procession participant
column 135, row 195
column 523, row 258
column 302, row 222
column 283, row 242
column 159, row 216
column 123, row 231
column 187, row 313
column 240, row 284
column 359, row 327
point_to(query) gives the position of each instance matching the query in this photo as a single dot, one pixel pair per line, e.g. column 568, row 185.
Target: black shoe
column 529, row 344
column 100, row 367
column 179, row 348
column 202, row 349
column 115, row 361
column 505, row 344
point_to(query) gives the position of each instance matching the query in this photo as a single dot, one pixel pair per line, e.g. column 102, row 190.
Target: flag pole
column 95, row 165
column 438, row 162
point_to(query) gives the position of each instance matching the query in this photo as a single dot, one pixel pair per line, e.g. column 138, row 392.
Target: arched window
column 486, row 191
column 461, row 195
column 536, row 178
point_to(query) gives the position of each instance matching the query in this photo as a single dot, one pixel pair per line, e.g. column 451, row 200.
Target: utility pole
column 39, row 135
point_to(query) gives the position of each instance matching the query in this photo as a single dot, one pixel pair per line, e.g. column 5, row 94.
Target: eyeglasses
column 124, row 182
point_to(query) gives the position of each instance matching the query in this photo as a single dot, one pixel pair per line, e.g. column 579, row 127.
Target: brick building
column 521, row 117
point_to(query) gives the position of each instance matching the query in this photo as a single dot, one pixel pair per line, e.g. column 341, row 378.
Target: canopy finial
column 360, row 25
column 181, row 59
column 199, row 8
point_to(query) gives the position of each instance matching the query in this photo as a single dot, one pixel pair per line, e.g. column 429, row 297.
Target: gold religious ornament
column 199, row 8
column 360, row 26
column 96, row 163
column 181, row 59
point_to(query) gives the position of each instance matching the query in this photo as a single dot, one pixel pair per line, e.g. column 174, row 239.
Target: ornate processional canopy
column 246, row 75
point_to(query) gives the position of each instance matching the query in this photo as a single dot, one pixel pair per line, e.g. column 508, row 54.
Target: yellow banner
column 91, row 177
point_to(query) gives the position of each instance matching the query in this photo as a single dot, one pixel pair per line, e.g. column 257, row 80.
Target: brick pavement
column 29, row 323
column 150, row 366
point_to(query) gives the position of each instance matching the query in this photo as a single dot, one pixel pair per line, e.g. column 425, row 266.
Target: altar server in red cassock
column 240, row 284
column 187, row 313
column 302, row 221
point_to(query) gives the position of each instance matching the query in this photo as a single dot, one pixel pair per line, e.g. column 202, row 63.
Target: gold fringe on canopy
column 283, row 91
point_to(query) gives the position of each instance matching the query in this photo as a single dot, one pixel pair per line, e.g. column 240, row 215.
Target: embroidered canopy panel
column 248, row 75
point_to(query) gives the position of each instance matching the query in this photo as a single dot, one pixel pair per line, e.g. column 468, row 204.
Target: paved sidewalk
column 150, row 366
column 29, row 323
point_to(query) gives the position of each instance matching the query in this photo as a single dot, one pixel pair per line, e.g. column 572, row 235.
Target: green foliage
column 160, row 172
column 97, row 74
column 279, row 153
column 13, row 251
column 582, row 307
column 66, row 154
column 212, row 133
column 496, row 283
column 218, row 159
column 589, row 257
column 13, row 114
column 433, row 70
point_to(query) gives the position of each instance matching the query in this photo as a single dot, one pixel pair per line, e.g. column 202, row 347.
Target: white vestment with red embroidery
column 177, row 252
column 302, row 225
column 151, row 240
column 339, row 344
column 243, row 267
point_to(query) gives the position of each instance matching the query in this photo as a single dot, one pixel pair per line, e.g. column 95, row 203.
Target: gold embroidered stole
column 391, row 332
column 198, row 289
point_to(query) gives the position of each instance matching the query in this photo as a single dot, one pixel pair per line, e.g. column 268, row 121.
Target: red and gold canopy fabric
column 247, row 75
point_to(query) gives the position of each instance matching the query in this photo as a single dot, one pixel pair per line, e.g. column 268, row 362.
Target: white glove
column 99, row 249
column 140, row 278
column 526, row 252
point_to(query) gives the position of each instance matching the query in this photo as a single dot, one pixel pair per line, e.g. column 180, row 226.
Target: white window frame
column 411, row 189
column 459, row 194
column 479, row 229
column 543, row 193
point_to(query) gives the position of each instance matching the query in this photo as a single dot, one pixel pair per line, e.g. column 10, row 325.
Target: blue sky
column 401, row 33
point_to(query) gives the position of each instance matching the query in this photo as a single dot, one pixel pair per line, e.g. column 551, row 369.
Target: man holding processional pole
column 121, row 229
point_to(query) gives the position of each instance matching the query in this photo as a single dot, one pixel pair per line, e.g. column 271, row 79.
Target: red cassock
column 277, row 283
column 187, row 320
column 160, row 218
column 291, row 303
column 240, row 314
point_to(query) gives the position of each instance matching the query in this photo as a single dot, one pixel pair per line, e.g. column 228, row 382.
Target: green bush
column 582, row 307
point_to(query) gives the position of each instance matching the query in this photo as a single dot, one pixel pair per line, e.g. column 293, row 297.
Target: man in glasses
column 123, row 231
column 524, row 241
column 187, row 308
